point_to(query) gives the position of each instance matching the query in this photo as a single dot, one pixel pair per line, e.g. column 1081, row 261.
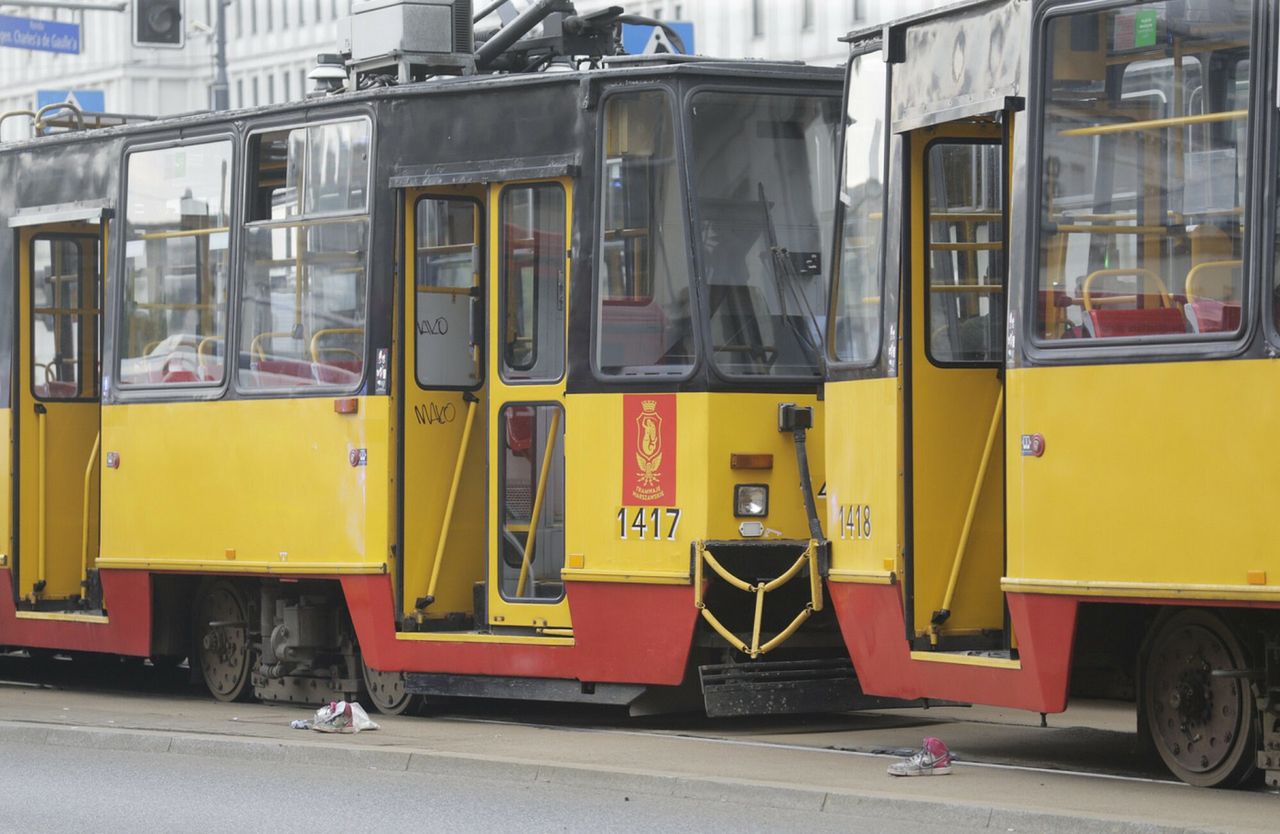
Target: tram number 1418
column 649, row 523
column 854, row 521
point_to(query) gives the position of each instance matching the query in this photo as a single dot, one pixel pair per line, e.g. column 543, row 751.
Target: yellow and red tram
column 451, row 386
column 1048, row 462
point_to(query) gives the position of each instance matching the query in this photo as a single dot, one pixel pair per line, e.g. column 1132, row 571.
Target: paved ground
column 827, row 765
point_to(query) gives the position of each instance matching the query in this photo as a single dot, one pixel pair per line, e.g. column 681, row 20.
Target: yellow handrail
column 1137, row 272
column 1171, row 121
column 1208, row 266
column 42, row 510
column 333, row 331
column 963, row 544
column 255, row 346
column 527, row 556
column 84, row 516
column 453, row 498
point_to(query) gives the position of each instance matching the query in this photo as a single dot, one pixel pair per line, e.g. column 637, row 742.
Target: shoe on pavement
column 933, row 760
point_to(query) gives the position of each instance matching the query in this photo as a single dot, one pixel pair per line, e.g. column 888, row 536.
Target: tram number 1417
column 651, row 523
column 854, row 521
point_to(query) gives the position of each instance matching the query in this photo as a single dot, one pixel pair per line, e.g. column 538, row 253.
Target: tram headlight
column 750, row 500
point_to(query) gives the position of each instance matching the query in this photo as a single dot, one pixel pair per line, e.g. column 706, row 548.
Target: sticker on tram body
column 648, row 523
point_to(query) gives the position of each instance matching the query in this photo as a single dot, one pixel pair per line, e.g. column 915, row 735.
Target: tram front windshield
column 762, row 176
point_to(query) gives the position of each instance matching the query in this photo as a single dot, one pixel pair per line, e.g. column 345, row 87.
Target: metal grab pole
column 940, row 616
column 84, row 515
column 41, row 503
column 537, row 502
column 448, row 508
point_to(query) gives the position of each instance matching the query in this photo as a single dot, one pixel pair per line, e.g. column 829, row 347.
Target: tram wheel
column 1203, row 726
column 222, row 644
column 386, row 692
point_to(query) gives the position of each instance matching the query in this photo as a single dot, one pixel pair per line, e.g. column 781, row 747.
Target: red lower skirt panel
column 127, row 597
column 872, row 621
column 622, row 634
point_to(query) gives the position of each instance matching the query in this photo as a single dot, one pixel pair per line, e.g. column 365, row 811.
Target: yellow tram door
column 443, row 418
column 527, row 423
column 57, row 411
column 955, row 386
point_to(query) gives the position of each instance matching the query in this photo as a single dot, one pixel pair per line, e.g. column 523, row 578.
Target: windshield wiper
column 781, row 266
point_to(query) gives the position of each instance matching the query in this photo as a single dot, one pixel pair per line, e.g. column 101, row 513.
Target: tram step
column 786, row 687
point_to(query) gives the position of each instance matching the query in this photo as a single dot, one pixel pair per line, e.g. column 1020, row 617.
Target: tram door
column 443, row 420
column 954, row 367
column 57, row 411
column 527, row 421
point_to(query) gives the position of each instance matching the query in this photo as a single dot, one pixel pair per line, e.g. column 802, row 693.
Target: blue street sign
column 647, row 40
column 89, row 101
column 39, row 35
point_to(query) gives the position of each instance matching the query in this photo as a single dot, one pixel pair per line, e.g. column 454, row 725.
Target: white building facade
column 272, row 44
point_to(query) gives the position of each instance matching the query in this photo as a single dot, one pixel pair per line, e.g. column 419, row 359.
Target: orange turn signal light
column 1257, row 577
column 346, row 405
column 737, row 460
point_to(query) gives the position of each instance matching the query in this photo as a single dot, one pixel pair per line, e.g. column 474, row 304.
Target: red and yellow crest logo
column 649, row 449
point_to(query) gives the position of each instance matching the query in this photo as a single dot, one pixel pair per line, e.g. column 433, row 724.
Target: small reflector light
column 346, row 405
column 1257, row 577
column 738, row 460
column 751, row 529
column 577, row 560
column 231, row 553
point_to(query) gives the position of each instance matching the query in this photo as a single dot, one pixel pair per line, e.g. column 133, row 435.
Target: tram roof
column 639, row 71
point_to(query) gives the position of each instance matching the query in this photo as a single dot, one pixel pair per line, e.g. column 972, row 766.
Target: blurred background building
column 272, row 44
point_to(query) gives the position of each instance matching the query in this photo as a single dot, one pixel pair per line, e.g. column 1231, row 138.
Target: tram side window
column 966, row 253
column 855, row 331
column 532, row 230
column 177, row 216
column 447, row 292
column 1144, row 173
column 643, row 323
column 304, row 293
column 64, row 317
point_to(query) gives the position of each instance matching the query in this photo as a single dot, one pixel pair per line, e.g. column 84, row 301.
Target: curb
column 864, row 804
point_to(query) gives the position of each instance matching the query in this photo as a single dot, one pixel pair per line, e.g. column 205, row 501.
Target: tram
column 1053, row 323
column 464, row 378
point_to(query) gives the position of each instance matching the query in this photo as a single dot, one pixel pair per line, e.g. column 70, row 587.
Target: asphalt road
column 50, row 788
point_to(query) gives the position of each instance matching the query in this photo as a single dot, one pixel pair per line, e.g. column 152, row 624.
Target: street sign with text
column 39, row 35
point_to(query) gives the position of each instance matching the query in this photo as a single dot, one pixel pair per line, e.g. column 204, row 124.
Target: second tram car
column 1049, row 467
column 463, row 386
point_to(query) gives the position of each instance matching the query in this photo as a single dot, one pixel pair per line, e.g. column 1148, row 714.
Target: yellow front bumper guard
column 808, row 557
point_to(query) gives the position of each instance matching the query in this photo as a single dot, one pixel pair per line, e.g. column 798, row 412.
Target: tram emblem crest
column 648, row 462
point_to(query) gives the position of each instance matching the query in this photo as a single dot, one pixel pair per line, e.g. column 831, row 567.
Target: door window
column 532, row 302
column 64, row 317
column 964, row 235
column 531, row 493
column 447, row 298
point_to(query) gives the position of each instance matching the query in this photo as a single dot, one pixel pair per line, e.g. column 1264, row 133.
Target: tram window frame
column 116, row 303
column 1189, row 344
column 996, row 358
column 86, row 390
column 306, row 222
column 872, row 52
column 644, row 374
column 479, row 298
column 501, row 565
column 542, row 369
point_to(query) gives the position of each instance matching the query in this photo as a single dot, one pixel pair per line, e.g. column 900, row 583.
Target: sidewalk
column 740, row 766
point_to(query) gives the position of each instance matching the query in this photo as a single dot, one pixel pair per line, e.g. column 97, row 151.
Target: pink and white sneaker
column 933, row 760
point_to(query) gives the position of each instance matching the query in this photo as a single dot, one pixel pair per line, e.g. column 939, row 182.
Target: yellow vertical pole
column 537, row 501
column 41, row 503
column 969, row 514
column 453, row 497
column 84, row 515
